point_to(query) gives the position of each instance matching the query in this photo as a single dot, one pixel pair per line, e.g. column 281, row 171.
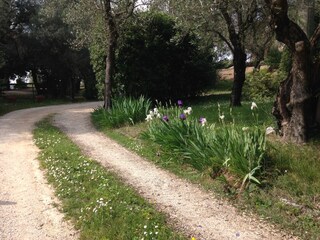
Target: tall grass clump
column 244, row 151
column 221, row 147
column 124, row 111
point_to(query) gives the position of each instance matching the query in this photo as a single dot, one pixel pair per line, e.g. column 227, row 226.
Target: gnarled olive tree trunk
column 296, row 104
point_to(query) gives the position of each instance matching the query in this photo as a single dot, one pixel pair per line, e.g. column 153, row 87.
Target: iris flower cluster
column 183, row 116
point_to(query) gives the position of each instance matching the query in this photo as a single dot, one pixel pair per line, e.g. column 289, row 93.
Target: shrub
column 286, row 61
column 262, row 85
column 156, row 59
column 273, row 58
column 124, row 111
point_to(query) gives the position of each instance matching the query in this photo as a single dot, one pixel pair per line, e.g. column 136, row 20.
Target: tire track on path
column 26, row 200
column 191, row 210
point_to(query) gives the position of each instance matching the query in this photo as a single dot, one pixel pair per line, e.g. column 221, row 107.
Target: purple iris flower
column 202, row 121
column 180, row 103
column 165, row 118
column 183, row 116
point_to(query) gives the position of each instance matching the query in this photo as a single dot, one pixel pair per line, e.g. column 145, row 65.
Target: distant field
column 227, row 73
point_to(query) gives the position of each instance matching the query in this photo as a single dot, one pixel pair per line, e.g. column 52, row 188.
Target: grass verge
column 289, row 193
column 22, row 103
column 94, row 199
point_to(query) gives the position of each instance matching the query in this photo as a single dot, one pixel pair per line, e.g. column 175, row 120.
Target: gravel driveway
column 26, row 201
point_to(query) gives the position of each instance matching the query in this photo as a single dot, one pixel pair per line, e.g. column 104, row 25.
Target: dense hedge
column 158, row 60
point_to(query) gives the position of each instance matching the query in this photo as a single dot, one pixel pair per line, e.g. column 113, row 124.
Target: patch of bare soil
column 26, row 200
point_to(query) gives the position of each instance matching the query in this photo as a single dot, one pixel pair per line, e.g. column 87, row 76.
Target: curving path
column 26, row 201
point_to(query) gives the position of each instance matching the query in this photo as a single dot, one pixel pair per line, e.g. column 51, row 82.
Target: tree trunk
column 35, row 81
column 295, row 105
column 239, row 63
column 295, row 98
column 111, row 52
column 110, row 62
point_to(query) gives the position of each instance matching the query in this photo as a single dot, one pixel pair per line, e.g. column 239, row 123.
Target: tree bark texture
column 295, row 104
column 110, row 64
column 111, row 49
column 239, row 63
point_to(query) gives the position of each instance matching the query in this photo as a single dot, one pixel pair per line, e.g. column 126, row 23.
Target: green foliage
column 188, row 139
column 286, row 61
column 23, row 103
column 239, row 151
column 156, row 59
column 97, row 59
column 97, row 48
column 273, row 58
column 262, row 85
column 289, row 192
column 243, row 150
column 40, row 41
column 124, row 111
column 100, row 205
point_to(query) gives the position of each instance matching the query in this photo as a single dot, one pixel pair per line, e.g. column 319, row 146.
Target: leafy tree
column 296, row 102
column 38, row 40
column 155, row 58
column 109, row 16
column 14, row 21
column 234, row 22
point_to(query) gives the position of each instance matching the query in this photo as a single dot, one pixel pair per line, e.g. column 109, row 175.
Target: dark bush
column 273, row 58
column 158, row 60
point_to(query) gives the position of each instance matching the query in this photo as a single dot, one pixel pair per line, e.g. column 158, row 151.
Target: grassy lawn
column 289, row 193
column 21, row 101
column 100, row 206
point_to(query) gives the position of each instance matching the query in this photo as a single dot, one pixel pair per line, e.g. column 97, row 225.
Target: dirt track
column 26, row 210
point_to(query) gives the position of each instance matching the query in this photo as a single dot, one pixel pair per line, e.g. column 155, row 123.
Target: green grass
column 95, row 200
column 22, row 103
column 289, row 193
column 124, row 111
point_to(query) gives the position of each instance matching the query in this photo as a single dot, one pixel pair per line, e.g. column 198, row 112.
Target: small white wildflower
column 270, row 130
column 148, row 118
column 155, row 111
column 145, row 226
column 187, row 111
column 203, row 121
column 253, row 105
column 151, row 113
column 158, row 115
column 221, row 116
column 245, row 129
